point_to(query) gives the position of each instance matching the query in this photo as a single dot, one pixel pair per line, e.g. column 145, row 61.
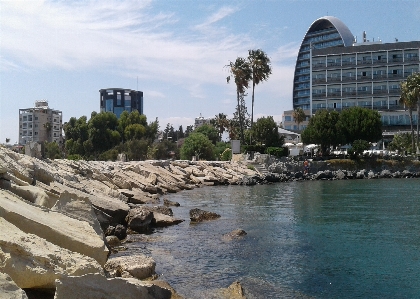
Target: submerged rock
column 197, row 215
column 235, row 234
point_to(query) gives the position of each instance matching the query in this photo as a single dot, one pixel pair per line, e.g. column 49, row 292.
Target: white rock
column 54, row 227
column 9, row 289
column 138, row 266
column 95, row 286
column 33, row 262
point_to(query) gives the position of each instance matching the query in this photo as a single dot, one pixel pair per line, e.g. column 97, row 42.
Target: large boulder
column 139, row 219
column 95, row 286
column 9, row 289
column 137, row 266
column 57, row 228
column 163, row 220
column 198, row 215
column 77, row 207
column 33, row 262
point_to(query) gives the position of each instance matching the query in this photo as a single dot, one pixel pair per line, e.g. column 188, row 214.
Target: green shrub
column 74, row 157
column 251, row 167
column 276, row 151
column 226, row 155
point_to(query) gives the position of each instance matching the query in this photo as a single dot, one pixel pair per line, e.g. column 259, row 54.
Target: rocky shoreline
column 61, row 220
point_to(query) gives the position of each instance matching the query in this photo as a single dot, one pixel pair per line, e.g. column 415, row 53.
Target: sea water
column 312, row 239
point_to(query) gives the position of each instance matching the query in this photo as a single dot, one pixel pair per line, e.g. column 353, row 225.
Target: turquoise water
column 315, row 239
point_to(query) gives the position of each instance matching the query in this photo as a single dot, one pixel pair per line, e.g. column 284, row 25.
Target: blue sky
column 173, row 50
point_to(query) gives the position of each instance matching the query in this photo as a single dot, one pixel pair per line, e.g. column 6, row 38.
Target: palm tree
column 299, row 116
column 413, row 86
column 409, row 102
column 261, row 70
column 221, row 123
column 241, row 72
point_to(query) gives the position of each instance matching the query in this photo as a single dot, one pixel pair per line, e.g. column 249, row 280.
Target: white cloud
column 222, row 13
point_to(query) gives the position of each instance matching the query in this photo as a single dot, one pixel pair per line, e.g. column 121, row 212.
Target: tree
column 357, row 123
column 52, row 150
column 220, row 122
column 299, row 116
column 209, row 131
column 413, row 86
column 323, row 129
column 242, row 74
column 102, row 131
column 358, row 147
column 188, row 130
column 266, row 132
column 197, row 144
column 261, row 69
column 409, row 101
column 402, row 142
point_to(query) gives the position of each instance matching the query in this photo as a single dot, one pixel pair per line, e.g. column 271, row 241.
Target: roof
column 342, row 29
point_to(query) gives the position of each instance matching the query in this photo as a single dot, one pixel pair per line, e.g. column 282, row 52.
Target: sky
column 175, row 51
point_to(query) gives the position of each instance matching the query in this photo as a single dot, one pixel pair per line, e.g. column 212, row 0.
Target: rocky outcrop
column 9, row 289
column 33, row 262
column 57, row 228
column 95, row 286
column 135, row 266
column 198, row 215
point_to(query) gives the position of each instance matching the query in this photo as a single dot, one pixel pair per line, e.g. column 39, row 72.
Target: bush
column 276, row 151
column 358, row 147
column 226, row 155
column 197, row 144
column 109, row 155
column 75, row 157
column 255, row 148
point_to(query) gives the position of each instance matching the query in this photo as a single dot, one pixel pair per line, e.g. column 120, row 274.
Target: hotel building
column 335, row 72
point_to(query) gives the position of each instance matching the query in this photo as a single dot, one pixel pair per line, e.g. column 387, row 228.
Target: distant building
column 117, row 100
column 199, row 121
column 335, row 72
column 40, row 123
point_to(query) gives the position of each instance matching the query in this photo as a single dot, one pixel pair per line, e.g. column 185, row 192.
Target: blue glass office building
column 117, row 100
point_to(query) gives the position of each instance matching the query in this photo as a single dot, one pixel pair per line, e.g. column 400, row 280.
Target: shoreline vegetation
column 61, row 221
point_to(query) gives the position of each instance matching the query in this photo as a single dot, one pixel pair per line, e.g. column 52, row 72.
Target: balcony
column 318, row 95
column 377, row 92
column 380, row 61
column 365, row 78
column 347, row 79
column 334, row 79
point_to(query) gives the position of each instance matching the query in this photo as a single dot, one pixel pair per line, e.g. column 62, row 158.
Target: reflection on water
column 322, row 239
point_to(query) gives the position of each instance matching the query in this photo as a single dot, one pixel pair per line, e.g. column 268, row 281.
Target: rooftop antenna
column 396, row 40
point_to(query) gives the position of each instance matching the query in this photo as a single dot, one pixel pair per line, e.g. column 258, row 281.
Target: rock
column 139, row 219
column 95, row 286
column 120, row 232
column 162, row 209
column 385, row 174
column 197, row 215
column 137, row 266
column 113, row 241
column 162, row 220
column 248, row 181
column 371, row 175
column 235, row 291
column 340, row 175
column 54, row 227
column 77, row 207
column 170, row 203
column 33, row 262
column 235, row 234
column 35, row 195
column 9, row 289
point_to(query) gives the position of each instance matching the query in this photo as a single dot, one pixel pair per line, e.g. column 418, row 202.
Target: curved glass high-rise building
column 325, row 32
